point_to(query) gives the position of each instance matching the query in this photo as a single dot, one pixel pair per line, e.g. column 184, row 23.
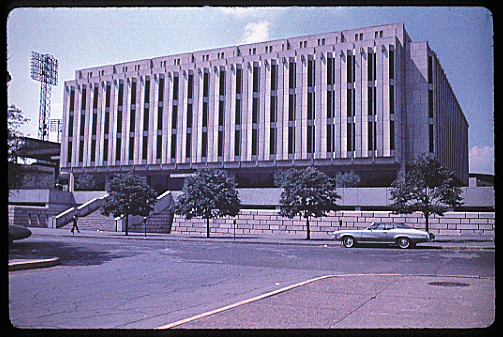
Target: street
column 114, row 283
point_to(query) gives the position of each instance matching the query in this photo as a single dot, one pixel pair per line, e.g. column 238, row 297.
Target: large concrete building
column 368, row 100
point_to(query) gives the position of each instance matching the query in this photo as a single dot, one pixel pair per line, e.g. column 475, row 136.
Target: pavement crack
column 367, row 301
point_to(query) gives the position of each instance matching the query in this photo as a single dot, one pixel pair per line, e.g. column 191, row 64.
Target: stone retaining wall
column 269, row 222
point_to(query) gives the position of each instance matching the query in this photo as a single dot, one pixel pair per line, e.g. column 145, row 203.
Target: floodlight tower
column 44, row 68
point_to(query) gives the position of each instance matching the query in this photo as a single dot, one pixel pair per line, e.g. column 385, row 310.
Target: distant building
column 368, row 100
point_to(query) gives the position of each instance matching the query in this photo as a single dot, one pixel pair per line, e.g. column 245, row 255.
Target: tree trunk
column 307, row 227
column 208, row 227
column 426, row 220
column 127, row 216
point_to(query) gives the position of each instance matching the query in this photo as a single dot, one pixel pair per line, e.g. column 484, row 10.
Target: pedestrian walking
column 74, row 219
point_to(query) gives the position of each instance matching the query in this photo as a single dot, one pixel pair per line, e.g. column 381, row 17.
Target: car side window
column 380, row 227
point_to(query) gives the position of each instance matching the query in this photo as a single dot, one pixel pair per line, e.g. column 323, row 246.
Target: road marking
column 272, row 293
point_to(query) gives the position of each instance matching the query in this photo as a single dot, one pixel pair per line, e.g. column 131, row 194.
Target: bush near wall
column 268, row 222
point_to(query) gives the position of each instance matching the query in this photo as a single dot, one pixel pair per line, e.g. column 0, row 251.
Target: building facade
column 368, row 100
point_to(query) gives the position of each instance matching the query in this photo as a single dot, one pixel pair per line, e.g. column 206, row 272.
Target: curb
column 33, row 264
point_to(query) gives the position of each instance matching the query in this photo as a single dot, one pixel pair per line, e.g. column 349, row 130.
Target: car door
column 380, row 234
column 375, row 232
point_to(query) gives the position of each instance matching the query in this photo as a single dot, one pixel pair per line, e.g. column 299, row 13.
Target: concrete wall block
column 447, row 220
column 487, row 215
column 296, row 227
column 245, row 217
column 457, row 215
column 261, row 226
column 479, row 221
column 467, row 226
column 382, row 214
column 262, row 217
column 486, row 227
column 471, row 215
column 448, row 232
column 438, row 226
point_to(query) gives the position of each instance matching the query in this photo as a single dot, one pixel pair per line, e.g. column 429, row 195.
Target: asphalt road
column 107, row 283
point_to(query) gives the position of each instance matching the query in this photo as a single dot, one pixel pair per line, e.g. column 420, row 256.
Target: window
column 391, row 135
column 391, row 99
column 391, row 64
column 159, row 118
column 291, row 139
column 350, row 137
column 132, row 120
column 133, row 92
column 274, row 75
column 188, row 145
column 146, row 118
column 93, row 150
column 310, row 105
column 330, row 70
column 310, row 138
column 118, row 149
column 159, row 147
column 189, row 116
column 256, row 75
column 310, row 73
column 206, row 83
column 237, row 142
column 131, row 148
column 72, row 100
column 239, row 75
column 145, row 148
column 255, row 109
column 254, row 141
column 291, row 75
column 190, row 86
column 237, row 117
column 121, row 94
column 291, row 107
column 70, row 125
column 431, row 147
column 205, row 114
column 273, row 109
column 222, row 83
column 174, row 117
column 272, row 145
column 69, row 154
column 350, row 68
column 221, row 113
column 330, row 104
column 204, row 145
column 372, row 136
column 330, row 138
column 95, row 100
column 173, row 146
column 220, row 143
column 350, row 102
column 175, row 87
column 147, row 91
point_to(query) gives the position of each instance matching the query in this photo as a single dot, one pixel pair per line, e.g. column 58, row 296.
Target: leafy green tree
column 128, row 195
column 347, row 179
column 307, row 193
column 208, row 194
column 15, row 172
column 426, row 187
column 84, row 182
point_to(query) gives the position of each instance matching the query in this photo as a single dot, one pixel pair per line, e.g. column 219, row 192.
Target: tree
column 128, row 195
column 84, row 182
column 347, row 179
column 306, row 193
column 427, row 187
column 15, row 172
column 208, row 194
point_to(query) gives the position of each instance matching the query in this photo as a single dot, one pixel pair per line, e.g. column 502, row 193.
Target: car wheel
column 348, row 241
column 403, row 243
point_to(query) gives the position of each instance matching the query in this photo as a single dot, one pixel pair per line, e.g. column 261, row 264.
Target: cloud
column 256, row 32
column 482, row 160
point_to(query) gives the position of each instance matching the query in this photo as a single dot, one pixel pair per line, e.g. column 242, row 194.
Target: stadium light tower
column 44, row 68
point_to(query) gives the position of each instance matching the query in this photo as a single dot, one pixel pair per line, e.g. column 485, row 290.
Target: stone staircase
column 94, row 221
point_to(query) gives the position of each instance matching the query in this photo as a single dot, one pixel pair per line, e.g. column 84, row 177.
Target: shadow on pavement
column 391, row 246
column 69, row 255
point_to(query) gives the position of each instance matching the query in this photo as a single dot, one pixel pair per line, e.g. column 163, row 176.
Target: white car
column 393, row 233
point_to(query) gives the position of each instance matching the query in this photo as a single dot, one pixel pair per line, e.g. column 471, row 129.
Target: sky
column 462, row 38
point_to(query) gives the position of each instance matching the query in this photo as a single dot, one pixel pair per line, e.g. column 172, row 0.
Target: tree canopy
column 426, row 187
column 208, row 194
column 307, row 193
column 128, row 195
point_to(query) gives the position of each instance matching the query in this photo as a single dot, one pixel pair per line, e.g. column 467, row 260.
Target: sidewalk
column 367, row 301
